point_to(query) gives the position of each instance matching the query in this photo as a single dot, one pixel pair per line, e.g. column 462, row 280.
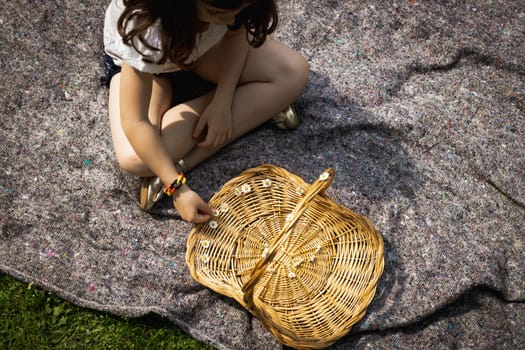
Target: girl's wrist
column 175, row 185
column 179, row 179
column 179, row 192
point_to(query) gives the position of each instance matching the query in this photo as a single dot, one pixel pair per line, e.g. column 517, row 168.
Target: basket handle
column 319, row 186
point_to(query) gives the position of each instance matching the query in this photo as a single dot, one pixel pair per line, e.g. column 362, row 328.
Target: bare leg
column 273, row 77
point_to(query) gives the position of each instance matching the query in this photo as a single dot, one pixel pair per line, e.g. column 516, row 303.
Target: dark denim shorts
column 186, row 84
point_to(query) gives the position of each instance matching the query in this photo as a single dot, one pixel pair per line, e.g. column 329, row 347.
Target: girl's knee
column 295, row 70
column 131, row 163
column 302, row 68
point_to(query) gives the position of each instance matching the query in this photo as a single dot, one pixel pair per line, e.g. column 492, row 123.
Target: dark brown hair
column 180, row 25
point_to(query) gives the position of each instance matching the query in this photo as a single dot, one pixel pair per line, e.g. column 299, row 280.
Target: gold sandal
column 150, row 192
column 287, row 119
column 151, row 189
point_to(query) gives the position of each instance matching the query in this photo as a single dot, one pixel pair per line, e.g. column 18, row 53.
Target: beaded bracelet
column 175, row 185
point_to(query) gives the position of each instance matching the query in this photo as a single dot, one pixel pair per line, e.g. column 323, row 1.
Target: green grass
column 34, row 319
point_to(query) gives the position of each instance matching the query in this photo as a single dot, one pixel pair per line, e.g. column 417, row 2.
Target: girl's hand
column 190, row 206
column 218, row 117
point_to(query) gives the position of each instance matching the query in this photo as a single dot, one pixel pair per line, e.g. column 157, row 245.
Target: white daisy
column 299, row 190
column 205, row 258
column 213, row 224
column 224, row 208
column 266, row 249
column 246, row 188
column 266, row 182
column 324, row 176
column 298, row 263
column 205, row 243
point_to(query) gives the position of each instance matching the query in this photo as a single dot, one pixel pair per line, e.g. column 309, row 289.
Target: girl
column 225, row 42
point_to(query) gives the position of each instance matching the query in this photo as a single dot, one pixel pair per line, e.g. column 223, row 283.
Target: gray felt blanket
column 419, row 106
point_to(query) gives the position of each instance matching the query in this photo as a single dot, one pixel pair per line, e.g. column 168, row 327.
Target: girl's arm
column 232, row 58
column 135, row 94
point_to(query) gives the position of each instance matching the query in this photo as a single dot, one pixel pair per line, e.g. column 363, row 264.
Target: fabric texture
column 418, row 106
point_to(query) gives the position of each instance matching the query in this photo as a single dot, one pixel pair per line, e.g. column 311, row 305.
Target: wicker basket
column 306, row 267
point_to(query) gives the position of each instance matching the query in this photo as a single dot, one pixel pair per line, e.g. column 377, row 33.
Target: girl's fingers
column 200, row 218
column 213, row 140
column 218, row 142
column 203, row 214
column 206, row 208
column 199, row 128
column 206, row 142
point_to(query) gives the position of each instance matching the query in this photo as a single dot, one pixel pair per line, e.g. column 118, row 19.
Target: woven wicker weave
column 306, row 267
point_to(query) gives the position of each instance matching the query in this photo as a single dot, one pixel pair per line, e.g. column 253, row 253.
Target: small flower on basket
column 266, row 182
column 213, row 224
column 298, row 263
column 238, row 192
column 324, row 176
column 205, row 269
column 265, row 250
column 246, row 188
column 205, row 258
column 289, row 217
column 291, row 274
column 299, row 190
column 216, row 212
column 205, row 244
column 224, row 208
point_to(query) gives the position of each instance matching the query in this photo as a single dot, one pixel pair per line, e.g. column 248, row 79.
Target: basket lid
column 306, row 267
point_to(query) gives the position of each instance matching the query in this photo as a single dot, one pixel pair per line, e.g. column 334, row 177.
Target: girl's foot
column 150, row 192
column 287, row 119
